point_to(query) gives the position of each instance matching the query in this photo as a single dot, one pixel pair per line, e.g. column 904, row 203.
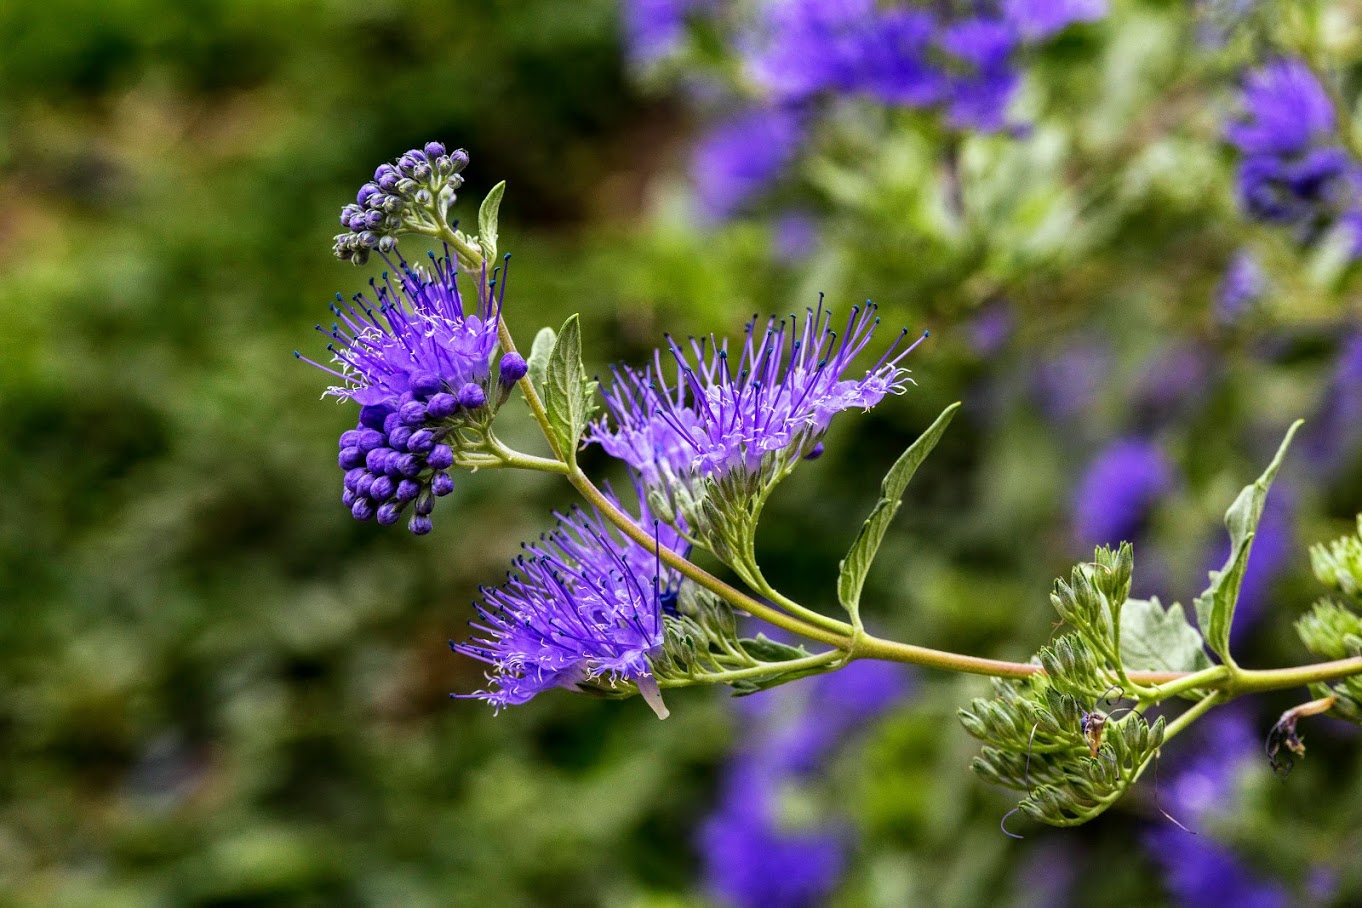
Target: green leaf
column 1215, row 606
column 764, row 649
column 569, row 396
column 540, row 351
column 487, row 222
column 1155, row 639
column 861, row 555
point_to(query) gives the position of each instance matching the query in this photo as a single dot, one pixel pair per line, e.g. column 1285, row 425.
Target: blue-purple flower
column 981, row 74
column 419, row 366
column 582, row 610
column 964, row 60
column 721, row 414
column 742, row 156
column 1293, row 169
column 754, row 860
column 803, row 47
column 1118, row 491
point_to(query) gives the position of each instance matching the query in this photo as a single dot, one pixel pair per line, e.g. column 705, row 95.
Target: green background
column 218, row 688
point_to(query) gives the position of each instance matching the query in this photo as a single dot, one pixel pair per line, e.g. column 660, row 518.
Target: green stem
column 869, row 647
column 1191, row 715
column 1207, row 677
column 1250, row 681
column 837, row 634
column 769, row 668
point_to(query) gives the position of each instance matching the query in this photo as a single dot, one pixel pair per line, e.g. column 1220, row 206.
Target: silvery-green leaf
column 540, row 351
column 1215, row 606
column 568, row 394
column 487, row 221
column 1155, row 639
column 856, row 565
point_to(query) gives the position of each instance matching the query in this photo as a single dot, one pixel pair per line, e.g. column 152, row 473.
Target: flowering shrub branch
column 610, row 602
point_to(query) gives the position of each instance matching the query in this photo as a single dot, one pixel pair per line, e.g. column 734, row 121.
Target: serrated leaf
column 861, row 555
column 540, row 351
column 568, row 394
column 487, row 221
column 1155, row 639
column 1215, row 606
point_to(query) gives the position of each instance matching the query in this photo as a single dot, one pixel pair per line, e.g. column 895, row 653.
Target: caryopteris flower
column 582, row 611
column 420, row 369
column 412, row 194
column 725, row 413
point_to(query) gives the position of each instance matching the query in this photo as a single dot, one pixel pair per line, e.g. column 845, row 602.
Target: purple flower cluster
column 755, row 852
column 721, row 414
column 1118, row 491
column 584, row 609
column 959, row 58
column 419, row 368
column 402, row 196
column 1293, row 168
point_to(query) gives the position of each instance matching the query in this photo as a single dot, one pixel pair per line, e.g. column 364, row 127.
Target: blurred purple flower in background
column 743, row 156
column 655, row 28
column 795, row 236
column 1119, row 490
column 753, row 860
column 1335, row 434
column 1036, row 20
column 991, row 328
column 1066, row 382
column 1242, row 287
column 1200, row 872
column 1293, row 169
column 767, row 844
column 982, row 77
column 798, row 50
column 1170, row 383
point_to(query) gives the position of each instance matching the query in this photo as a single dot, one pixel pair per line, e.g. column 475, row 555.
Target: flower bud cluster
column 414, row 194
column 420, row 368
column 398, row 457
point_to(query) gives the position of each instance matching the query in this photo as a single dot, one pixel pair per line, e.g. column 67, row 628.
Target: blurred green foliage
column 217, row 688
